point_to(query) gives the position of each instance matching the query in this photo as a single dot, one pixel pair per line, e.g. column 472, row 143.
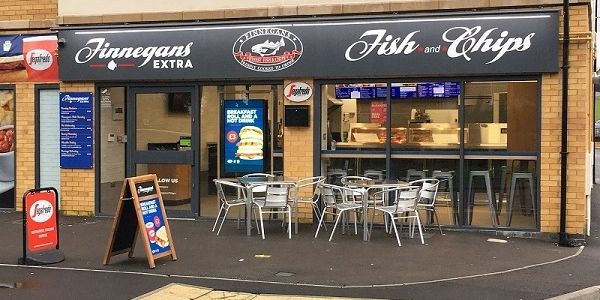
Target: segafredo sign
column 297, row 91
column 391, row 46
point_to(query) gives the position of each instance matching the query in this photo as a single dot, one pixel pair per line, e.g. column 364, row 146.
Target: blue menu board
column 154, row 223
column 399, row 91
column 358, row 92
column 244, row 139
column 76, row 134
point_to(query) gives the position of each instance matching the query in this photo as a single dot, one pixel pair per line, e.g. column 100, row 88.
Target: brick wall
column 579, row 135
column 77, row 185
column 298, row 152
column 11, row 10
column 25, row 147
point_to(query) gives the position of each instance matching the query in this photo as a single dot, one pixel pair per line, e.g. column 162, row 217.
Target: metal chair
column 276, row 201
column 313, row 183
column 405, row 200
column 336, row 198
column 374, row 174
column 427, row 197
column 227, row 202
column 334, row 176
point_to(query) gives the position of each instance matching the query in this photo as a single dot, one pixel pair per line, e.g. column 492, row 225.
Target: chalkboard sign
column 140, row 211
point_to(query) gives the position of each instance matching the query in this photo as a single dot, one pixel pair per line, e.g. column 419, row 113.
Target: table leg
column 365, row 200
column 249, row 211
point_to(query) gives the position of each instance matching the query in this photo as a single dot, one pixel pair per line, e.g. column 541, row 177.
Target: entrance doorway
column 162, row 140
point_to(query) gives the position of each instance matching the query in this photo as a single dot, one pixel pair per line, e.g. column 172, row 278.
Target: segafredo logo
column 41, row 211
column 267, row 49
column 39, row 59
column 297, row 91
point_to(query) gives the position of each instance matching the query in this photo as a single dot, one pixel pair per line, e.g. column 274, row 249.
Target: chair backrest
column 445, row 178
column 348, row 180
column 373, row 174
column 334, row 176
column 312, row 182
column 276, row 193
column 332, row 194
column 254, row 175
column 411, row 174
column 405, row 197
column 221, row 185
column 428, row 190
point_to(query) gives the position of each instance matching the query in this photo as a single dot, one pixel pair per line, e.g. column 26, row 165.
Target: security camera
column 62, row 42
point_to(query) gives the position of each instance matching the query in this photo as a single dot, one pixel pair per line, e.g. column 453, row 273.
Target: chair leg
column 437, row 219
column 396, row 230
column 355, row 223
column 420, row 231
column 217, row 220
column 262, row 224
column 289, row 209
column 337, row 220
column 255, row 219
column 223, row 221
column 317, row 211
column 320, row 221
column 239, row 218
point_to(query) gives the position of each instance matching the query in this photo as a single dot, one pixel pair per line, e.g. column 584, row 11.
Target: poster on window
column 28, row 58
column 378, row 112
column 244, row 140
column 7, row 149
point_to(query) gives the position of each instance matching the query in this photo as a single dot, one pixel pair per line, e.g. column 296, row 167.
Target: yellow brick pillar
column 25, row 140
column 298, row 150
column 579, row 135
column 77, row 186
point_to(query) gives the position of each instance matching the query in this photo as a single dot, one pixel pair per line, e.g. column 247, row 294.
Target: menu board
column 398, row 90
column 76, row 121
column 244, row 140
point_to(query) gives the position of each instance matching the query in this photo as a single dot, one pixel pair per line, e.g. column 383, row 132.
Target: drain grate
column 284, row 274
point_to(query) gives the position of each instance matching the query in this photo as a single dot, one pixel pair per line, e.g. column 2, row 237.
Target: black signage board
column 140, row 210
column 461, row 44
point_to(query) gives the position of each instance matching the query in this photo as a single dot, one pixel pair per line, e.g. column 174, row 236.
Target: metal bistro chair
column 427, row 197
column 335, row 198
column 228, row 202
column 313, row 183
column 276, row 201
column 405, row 207
column 357, row 193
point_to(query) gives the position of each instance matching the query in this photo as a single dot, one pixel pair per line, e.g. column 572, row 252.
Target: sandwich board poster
column 244, row 135
column 140, row 211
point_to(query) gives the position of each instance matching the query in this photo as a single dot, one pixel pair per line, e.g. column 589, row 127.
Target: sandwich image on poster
column 162, row 239
column 250, row 146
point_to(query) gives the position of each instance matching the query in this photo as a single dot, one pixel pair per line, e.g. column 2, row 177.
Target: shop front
column 468, row 98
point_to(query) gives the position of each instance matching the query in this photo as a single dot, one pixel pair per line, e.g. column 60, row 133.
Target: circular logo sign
column 41, row 211
column 232, row 136
column 267, row 49
column 39, row 59
column 297, row 91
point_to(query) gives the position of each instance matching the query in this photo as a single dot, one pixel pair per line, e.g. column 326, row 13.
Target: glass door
column 163, row 141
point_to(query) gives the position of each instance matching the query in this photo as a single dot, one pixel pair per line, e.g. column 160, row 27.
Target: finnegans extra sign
column 508, row 43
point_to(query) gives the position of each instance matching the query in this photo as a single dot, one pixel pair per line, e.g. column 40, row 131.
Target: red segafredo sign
column 41, row 223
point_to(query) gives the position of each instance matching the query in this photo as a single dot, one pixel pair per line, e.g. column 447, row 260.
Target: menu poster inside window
column 7, row 149
column 76, row 134
column 245, row 136
column 378, row 112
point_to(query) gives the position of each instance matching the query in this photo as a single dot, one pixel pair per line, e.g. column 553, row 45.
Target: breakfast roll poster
column 28, row 58
column 244, row 129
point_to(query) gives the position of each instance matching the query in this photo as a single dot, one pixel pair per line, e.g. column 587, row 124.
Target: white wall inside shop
column 106, row 7
column 209, row 119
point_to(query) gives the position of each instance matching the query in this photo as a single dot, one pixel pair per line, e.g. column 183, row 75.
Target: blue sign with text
column 244, row 136
column 154, row 221
column 76, row 133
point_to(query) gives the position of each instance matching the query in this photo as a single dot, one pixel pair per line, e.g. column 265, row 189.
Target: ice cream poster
column 244, row 136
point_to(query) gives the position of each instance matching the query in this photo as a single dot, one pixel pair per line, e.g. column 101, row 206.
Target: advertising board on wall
column 28, row 58
column 244, row 140
column 7, row 149
column 76, row 133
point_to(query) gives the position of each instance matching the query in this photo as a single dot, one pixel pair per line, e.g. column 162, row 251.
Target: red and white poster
column 41, row 223
column 378, row 112
column 28, row 58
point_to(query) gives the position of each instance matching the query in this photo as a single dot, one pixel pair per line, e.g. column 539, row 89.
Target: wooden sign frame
column 129, row 221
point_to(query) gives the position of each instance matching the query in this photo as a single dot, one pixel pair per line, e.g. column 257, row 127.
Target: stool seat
column 412, row 174
column 515, row 179
column 491, row 198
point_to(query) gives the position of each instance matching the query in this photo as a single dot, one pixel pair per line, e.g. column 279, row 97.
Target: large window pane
column 112, row 147
column 502, row 116
column 354, row 116
column 164, row 121
column 501, row 193
column 425, row 115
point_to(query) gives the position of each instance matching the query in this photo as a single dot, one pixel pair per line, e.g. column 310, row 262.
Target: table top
column 375, row 183
column 262, row 180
